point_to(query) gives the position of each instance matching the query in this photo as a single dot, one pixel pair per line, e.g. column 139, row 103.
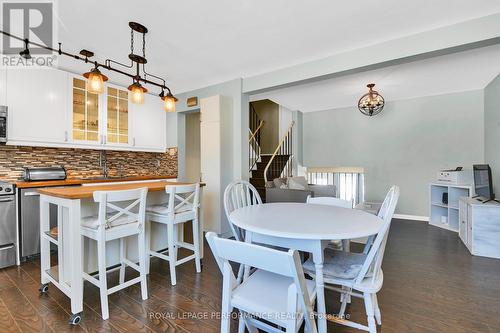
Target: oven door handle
column 31, row 194
column 6, row 199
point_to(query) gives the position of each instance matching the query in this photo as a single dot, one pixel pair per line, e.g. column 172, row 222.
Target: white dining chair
column 182, row 207
column 332, row 201
column 360, row 272
column 276, row 291
column 238, row 194
column 121, row 215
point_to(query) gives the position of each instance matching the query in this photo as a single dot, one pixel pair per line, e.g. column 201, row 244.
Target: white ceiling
column 457, row 72
column 195, row 43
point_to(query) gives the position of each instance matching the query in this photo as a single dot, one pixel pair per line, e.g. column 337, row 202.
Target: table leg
column 248, row 239
column 76, row 254
column 201, row 223
column 320, row 289
column 44, row 243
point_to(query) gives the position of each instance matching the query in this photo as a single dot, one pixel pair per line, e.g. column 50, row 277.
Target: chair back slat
column 375, row 254
column 182, row 198
column 331, row 201
column 239, row 194
column 252, row 255
column 115, row 204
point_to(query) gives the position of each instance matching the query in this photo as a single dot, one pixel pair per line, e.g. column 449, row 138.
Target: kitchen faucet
column 103, row 163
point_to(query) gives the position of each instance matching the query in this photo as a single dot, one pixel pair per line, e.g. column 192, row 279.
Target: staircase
column 266, row 167
column 277, row 165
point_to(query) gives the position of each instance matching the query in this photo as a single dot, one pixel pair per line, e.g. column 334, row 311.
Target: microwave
column 3, row 124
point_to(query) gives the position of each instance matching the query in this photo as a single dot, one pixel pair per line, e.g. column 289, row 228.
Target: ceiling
column 195, row 43
column 457, row 72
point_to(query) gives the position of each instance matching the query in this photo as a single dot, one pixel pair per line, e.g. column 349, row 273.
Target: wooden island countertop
column 80, row 181
column 81, row 192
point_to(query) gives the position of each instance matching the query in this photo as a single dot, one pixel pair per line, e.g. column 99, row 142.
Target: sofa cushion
column 323, row 190
column 297, row 183
column 278, row 182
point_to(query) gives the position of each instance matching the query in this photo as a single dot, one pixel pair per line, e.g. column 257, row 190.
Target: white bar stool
column 182, row 207
column 121, row 214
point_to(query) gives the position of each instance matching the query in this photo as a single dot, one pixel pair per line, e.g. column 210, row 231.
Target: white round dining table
column 305, row 227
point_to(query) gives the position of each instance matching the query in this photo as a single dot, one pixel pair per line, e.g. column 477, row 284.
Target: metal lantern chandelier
column 95, row 79
column 371, row 103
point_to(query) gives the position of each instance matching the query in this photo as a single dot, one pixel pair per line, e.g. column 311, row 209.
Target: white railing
column 284, row 148
column 254, row 146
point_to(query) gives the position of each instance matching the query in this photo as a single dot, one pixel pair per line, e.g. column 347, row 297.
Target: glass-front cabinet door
column 85, row 125
column 117, row 116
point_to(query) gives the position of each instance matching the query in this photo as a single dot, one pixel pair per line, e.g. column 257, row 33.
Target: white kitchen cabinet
column 51, row 108
column 215, row 159
column 85, row 113
column 148, row 125
column 37, row 106
column 480, row 227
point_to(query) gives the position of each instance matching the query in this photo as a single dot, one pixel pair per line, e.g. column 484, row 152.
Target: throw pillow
column 278, row 182
column 297, row 183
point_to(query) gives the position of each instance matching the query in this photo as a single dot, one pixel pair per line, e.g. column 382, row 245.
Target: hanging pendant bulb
column 168, row 101
column 137, row 93
column 95, row 81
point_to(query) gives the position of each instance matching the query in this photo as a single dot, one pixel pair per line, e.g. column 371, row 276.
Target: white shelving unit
column 439, row 210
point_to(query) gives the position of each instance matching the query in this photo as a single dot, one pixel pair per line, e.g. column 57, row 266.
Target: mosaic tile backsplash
column 84, row 163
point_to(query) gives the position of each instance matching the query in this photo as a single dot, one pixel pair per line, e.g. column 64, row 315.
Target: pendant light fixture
column 168, row 101
column 137, row 93
column 26, row 52
column 371, row 103
column 95, row 79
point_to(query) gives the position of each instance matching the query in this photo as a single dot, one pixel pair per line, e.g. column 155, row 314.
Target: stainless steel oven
column 3, row 124
column 8, row 237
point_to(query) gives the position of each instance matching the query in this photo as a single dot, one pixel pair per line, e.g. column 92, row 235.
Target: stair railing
column 254, row 149
column 254, row 127
column 284, row 148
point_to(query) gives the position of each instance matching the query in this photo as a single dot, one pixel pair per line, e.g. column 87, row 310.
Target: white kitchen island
column 76, row 253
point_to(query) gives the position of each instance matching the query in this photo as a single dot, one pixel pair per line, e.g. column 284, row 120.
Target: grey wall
column 268, row 111
column 404, row 145
column 238, row 131
column 492, row 130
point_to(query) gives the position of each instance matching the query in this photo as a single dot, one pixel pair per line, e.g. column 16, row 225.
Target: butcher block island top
column 81, row 192
column 80, row 181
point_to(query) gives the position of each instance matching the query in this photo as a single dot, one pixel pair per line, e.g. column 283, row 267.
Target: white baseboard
column 411, row 217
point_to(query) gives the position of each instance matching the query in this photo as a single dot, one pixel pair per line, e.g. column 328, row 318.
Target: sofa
column 296, row 189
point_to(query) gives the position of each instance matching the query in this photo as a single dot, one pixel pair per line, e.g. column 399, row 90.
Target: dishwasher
column 8, row 237
column 29, row 227
column 29, row 209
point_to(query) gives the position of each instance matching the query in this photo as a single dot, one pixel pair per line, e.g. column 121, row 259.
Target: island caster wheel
column 75, row 319
column 43, row 288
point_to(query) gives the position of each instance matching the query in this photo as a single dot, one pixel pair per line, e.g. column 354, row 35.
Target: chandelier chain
column 132, row 41
column 144, row 45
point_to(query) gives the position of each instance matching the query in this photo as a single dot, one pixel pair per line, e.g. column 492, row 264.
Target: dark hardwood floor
column 432, row 284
